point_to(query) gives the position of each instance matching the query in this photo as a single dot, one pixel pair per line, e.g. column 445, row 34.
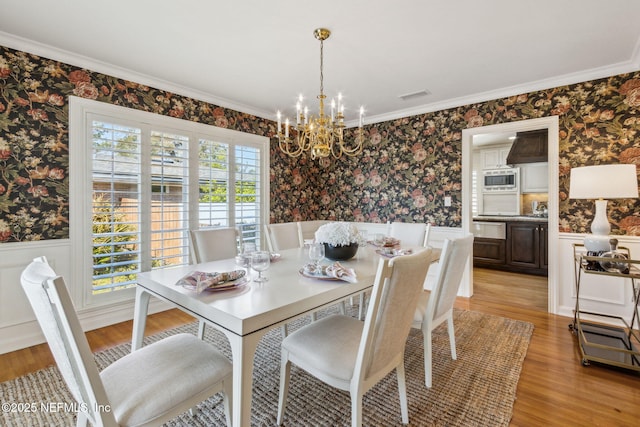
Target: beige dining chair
column 352, row 355
column 146, row 387
column 213, row 244
column 435, row 252
column 284, row 235
column 410, row 234
column 436, row 306
column 308, row 228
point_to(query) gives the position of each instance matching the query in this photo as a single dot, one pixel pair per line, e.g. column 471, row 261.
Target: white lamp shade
column 604, row 182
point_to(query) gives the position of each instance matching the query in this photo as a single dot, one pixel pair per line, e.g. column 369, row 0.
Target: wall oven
column 501, row 180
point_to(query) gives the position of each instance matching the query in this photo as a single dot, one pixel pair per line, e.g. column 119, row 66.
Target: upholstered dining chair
column 212, row 244
column 308, row 228
column 436, row 307
column 409, row 233
column 146, row 387
column 352, row 355
column 284, row 235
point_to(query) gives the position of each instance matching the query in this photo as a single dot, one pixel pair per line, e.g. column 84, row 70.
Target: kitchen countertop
column 511, row 218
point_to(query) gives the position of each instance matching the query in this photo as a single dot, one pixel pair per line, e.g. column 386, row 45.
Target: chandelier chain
column 321, row 67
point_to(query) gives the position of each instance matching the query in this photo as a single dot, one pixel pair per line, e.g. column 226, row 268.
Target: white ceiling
column 257, row 56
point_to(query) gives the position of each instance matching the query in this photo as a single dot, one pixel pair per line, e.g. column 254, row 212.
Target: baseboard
column 27, row 334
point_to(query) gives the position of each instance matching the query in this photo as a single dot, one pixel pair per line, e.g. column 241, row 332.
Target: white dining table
column 247, row 313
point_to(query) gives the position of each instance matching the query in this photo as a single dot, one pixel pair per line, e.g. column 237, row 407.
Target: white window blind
column 144, row 180
column 169, row 199
column 116, row 172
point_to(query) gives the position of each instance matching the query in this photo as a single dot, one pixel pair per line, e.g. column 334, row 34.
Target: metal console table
column 602, row 342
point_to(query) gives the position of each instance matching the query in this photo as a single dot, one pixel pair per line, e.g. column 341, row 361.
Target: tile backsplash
column 527, row 199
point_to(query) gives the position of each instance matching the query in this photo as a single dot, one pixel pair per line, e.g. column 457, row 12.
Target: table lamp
column 602, row 182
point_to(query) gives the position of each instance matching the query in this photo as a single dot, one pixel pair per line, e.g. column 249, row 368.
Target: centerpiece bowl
column 340, row 252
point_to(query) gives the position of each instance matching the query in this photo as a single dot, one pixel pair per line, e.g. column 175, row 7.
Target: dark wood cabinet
column 524, row 250
column 527, row 247
column 544, row 246
column 488, row 252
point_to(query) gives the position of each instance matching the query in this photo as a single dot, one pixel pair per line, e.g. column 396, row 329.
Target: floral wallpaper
column 407, row 165
column 34, row 140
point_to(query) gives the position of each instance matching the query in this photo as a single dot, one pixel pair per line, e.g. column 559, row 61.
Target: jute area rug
column 477, row 389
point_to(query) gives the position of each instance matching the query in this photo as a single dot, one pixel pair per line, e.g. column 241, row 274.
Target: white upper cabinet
column 534, row 177
column 495, row 157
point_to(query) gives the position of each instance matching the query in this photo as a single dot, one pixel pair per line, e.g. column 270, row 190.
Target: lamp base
column 596, row 243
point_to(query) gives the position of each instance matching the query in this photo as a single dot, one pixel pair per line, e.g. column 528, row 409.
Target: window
column 145, row 180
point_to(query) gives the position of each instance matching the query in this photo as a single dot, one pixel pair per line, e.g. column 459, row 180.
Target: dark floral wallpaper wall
column 407, row 166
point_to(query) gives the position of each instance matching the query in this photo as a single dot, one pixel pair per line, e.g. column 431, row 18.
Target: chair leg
column 356, row 410
column 284, row 330
column 343, row 308
column 452, row 336
column 361, row 307
column 426, row 333
column 201, row 326
column 82, row 420
column 227, row 399
column 285, row 370
column 402, row 391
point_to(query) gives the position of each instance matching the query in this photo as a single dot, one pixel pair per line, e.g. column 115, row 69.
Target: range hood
column 529, row 147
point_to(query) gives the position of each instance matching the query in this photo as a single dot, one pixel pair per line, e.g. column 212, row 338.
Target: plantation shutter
column 169, row 199
column 116, row 177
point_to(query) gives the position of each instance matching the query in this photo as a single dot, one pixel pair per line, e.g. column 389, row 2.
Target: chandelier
column 323, row 135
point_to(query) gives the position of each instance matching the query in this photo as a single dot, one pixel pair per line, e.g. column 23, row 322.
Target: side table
column 603, row 342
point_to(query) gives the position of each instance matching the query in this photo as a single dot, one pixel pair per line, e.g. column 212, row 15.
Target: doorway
column 551, row 124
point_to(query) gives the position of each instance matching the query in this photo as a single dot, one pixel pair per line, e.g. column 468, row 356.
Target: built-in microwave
column 501, row 180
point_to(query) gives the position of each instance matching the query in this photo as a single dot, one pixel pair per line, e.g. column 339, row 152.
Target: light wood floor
column 554, row 388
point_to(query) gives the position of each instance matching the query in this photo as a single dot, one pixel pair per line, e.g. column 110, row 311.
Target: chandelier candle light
column 322, row 135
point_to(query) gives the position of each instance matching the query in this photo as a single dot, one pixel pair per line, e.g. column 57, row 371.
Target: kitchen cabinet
column 488, row 252
column 527, row 247
column 495, row 157
column 489, row 243
column 534, row 177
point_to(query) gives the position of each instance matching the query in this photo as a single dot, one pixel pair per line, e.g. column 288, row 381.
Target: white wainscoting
column 18, row 327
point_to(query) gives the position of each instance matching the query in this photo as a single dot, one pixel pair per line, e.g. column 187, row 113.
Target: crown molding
column 41, row 49
column 595, row 73
column 25, row 45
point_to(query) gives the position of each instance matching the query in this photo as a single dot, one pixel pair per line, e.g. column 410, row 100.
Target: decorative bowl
column 340, row 253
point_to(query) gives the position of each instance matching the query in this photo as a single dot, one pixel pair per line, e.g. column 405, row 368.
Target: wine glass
column 260, row 261
column 316, row 253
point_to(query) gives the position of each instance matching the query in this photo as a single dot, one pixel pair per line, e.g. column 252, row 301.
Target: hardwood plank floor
column 554, row 388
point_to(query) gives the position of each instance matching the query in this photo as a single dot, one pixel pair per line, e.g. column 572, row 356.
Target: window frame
column 81, row 113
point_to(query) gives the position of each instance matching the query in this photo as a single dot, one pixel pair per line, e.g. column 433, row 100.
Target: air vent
column 413, row 95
